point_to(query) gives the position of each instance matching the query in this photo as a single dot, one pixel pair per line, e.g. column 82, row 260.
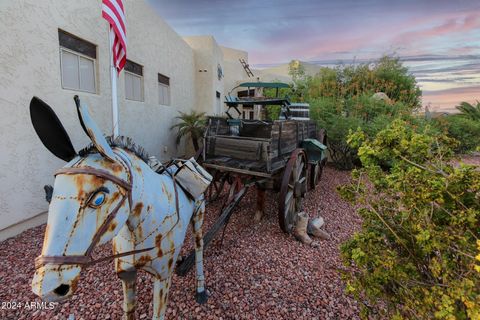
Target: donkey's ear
column 50, row 130
column 92, row 130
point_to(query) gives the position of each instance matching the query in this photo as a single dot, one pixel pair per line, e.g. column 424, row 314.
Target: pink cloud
column 447, row 99
column 451, row 26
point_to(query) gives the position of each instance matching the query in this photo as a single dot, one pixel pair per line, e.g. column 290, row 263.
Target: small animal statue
column 108, row 192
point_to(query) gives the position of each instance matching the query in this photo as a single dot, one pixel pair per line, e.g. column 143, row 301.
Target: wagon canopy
column 259, row 100
column 273, row 85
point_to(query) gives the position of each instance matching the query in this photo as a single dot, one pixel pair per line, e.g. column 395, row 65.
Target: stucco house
column 57, row 49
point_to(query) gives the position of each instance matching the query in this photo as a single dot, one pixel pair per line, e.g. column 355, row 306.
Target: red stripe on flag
column 117, row 14
column 113, row 11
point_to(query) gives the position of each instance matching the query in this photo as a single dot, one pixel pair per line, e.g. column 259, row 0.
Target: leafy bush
column 273, row 112
column 340, row 117
column 341, row 100
column 386, row 75
column 463, row 129
column 415, row 255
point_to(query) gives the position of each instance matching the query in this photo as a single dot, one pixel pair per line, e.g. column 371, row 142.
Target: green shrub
column 414, row 257
column 386, row 75
column 341, row 117
column 341, row 101
column 463, row 129
column 273, row 112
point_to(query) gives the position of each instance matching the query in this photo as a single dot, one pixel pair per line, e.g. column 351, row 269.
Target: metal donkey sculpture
column 108, row 192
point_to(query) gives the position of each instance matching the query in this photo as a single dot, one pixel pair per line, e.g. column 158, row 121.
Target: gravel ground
column 258, row 273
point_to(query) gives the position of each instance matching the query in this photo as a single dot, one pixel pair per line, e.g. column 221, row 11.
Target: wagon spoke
column 288, row 200
column 299, row 168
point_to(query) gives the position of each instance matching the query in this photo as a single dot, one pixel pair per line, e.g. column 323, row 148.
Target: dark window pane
column 163, row 79
column 74, row 43
column 133, row 67
column 246, row 93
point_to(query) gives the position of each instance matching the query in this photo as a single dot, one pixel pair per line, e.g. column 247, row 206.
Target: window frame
column 164, row 82
column 134, row 74
column 78, row 54
column 169, row 102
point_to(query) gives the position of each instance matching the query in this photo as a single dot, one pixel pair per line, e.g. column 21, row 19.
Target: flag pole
column 113, row 73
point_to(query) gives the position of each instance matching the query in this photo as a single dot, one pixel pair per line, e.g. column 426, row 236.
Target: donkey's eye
column 97, row 200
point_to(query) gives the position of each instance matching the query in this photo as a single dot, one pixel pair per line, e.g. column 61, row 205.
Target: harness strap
column 96, row 172
column 82, row 260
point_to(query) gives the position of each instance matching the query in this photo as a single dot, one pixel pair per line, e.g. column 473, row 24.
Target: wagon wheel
column 292, row 190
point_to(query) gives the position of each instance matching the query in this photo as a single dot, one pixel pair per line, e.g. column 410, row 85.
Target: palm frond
column 190, row 124
column 469, row 110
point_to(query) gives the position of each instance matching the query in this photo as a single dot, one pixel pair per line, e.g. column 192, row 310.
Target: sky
column 438, row 40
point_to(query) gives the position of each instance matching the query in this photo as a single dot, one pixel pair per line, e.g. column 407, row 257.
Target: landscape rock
column 262, row 268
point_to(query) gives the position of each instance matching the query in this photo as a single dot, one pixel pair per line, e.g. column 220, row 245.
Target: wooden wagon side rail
column 237, row 170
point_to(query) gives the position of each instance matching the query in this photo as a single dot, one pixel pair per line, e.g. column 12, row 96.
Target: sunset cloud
column 430, row 34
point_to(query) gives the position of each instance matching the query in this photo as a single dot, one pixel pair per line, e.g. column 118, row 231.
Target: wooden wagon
column 283, row 155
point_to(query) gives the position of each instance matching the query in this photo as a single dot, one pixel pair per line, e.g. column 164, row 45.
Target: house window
column 77, row 63
column 163, row 90
column 133, row 81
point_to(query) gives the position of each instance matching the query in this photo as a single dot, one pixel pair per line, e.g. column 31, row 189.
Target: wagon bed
column 260, row 147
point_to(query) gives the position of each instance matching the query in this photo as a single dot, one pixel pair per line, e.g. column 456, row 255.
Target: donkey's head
column 89, row 205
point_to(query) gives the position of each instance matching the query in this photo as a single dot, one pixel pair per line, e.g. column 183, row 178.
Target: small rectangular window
column 163, row 90
column 246, row 93
column 218, row 105
column 133, row 81
column 77, row 63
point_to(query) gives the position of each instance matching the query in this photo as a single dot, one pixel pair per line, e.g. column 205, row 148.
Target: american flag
column 114, row 13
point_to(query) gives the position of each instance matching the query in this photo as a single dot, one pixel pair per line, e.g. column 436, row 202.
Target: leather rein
column 86, row 259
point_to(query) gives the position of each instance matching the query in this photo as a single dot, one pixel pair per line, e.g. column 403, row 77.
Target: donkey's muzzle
column 54, row 283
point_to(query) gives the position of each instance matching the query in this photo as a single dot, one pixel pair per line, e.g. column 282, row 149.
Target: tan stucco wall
column 208, row 56
column 234, row 72
column 30, row 64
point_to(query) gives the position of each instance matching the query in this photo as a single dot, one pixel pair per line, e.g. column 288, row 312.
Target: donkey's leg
column 160, row 296
column 197, row 222
column 129, row 293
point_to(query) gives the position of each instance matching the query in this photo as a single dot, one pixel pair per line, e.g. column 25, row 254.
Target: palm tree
column 191, row 124
column 469, row 110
